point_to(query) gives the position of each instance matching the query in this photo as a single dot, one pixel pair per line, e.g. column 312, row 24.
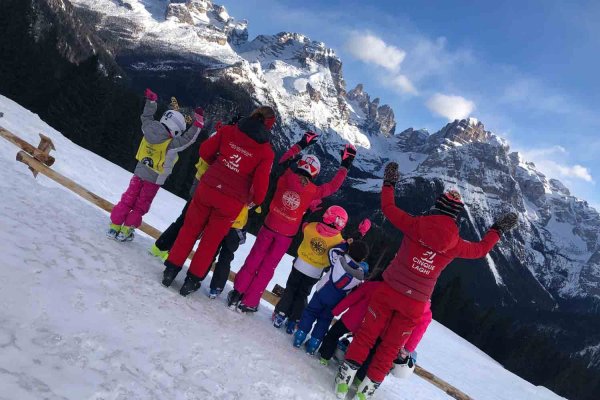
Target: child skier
column 355, row 305
column 156, row 157
column 294, row 193
column 430, row 243
column 348, row 270
column 319, row 238
column 240, row 159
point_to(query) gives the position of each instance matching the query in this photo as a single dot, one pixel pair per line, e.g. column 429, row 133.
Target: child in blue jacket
column 347, row 271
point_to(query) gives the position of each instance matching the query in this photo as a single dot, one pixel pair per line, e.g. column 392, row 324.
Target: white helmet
column 174, row 121
column 403, row 368
column 310, row 164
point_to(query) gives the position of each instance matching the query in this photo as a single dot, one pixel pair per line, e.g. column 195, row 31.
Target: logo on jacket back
column 424, row 265
column 233, row 163
column 291, row 200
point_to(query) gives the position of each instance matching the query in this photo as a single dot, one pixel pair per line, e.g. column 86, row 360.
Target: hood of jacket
column 254, row 129
column 438, row 232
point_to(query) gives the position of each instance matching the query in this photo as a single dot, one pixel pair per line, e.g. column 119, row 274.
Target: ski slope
column 83, row 317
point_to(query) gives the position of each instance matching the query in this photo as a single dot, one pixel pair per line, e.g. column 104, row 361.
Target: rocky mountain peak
column 378, row 119
column 464, row 131
column 204, row 13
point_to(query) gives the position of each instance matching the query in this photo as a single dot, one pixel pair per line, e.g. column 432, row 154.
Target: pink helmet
column 336, row 216
column 310, row 164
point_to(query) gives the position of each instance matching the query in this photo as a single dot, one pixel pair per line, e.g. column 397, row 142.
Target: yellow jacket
column 314, row 248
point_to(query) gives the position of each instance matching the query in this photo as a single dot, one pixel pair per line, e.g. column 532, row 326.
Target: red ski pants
column 211, row 213
column 392, row 316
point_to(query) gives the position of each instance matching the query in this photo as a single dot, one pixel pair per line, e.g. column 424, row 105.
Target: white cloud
column 373, row 50
column 546, row 160
column 450, row 107
column 428, row 58
column 403, row 84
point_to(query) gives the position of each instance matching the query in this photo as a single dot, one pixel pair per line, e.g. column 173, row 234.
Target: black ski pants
column 331, row 339
column 295, row 297
column 226, row 251
column 168, row 237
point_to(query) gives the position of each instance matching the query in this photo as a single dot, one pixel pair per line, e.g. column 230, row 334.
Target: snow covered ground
column 83, row 317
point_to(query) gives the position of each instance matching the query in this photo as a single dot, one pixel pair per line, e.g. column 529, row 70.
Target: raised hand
column 391, row 174
column 364, row 226
column 348, row 155
column 150, row 95
column 308, row 138
column 199, row 117
column 506, row 222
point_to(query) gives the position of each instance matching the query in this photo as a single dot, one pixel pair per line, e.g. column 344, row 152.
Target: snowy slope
column 83, row 317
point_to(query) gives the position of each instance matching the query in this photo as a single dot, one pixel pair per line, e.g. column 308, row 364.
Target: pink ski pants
column 135, row 202
column 259, row 267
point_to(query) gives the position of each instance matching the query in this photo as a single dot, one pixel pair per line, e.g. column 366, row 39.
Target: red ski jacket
column 240, row 158
column 357, row 303
column 430, row 243
column 292, row 197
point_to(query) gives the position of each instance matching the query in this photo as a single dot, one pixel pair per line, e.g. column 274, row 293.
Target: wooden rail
column 268, row 296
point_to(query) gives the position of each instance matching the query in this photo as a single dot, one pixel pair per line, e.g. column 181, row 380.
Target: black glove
column 308, row 138
column 391, row 174
column 348, row 154
column 506, row 222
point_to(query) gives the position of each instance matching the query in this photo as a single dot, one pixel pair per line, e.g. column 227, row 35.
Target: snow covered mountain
column 558, row 239
column 84, row 317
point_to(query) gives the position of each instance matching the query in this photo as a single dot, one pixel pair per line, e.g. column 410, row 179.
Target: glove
column 150, row 95
column 364, row 226
column 315, row 205
column 199, row 117
column 505, row 223
column 308, row 139
column 391, row 174
column 348, row 154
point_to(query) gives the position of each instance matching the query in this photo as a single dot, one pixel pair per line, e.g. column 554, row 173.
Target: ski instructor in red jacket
column 430, row 243
column 240, row 159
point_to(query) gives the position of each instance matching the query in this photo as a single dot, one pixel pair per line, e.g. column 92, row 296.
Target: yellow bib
column 314, row 248
column 153, row 155
column 241, row 220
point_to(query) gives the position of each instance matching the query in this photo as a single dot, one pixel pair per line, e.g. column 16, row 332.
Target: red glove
column 364, row 226
column 150, row 95
column 314, row 205
column 199, row 117
column 308, row 138
column 348, row 154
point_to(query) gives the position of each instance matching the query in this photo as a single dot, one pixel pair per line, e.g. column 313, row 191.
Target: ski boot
column 278, row 319
column 233, row 299
column 126, row 234
column 242, row 308
column 366, row 389
column 290, row 327
column 299, row 338
column 158, row 253
column 169, row 273
column 190, row 285
column 312, row 345
column 324, row 361
column 344, row 378
column 214, row 293
column 113, row 231
column 340, row 350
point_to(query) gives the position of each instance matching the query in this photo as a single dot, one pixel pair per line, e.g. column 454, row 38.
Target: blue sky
column 529, row 70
